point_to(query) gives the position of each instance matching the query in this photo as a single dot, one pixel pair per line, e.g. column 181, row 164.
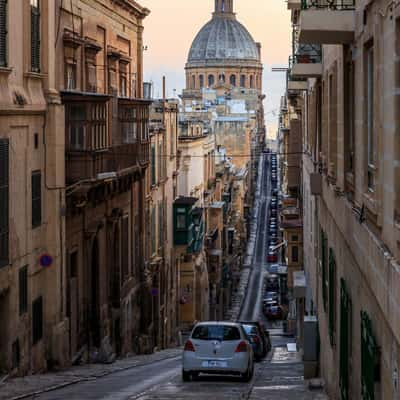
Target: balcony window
column 128, row 124
column 70, row 75
column 123, row 80
column 3, row 33
column 35, row 36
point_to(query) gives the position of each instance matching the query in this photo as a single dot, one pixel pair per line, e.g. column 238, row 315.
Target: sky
column 173, row 24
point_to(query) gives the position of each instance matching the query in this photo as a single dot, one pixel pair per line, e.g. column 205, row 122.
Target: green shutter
column 332, row 297
column 153, row 230
column 35, row 36
column 37, row 320
column 4, row 202
column 345, row 332
column 368, row 354
column 3, row 33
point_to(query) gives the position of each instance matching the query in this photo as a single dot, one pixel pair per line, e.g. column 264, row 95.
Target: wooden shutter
column 345, row 332
column 153, row 164
column 3, row 33
column 37, row 320
column 35, row 36
column 36, row 199
column 4, row 200
column 324, row 270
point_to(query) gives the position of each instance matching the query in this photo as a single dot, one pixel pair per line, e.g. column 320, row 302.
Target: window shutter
column 368, row 356
column 4, row 200
column 36, row 199
column 3, row 33
column 23, row 290
column 345, row 331
column 324, row 270
column 124, row 247
column 35, row 36
column 153, row 165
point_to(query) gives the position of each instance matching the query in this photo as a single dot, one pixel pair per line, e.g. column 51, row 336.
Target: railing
column 332, row 5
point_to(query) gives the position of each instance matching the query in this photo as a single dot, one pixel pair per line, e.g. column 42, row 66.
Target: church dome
column 223, row 38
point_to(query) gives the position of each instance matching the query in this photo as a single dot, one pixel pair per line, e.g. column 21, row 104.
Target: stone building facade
column 107, row 152
column 32, row 235
column 350, row 192
column 163, row 268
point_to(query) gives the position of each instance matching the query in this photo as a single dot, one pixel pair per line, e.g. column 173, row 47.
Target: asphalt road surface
column 162, row 380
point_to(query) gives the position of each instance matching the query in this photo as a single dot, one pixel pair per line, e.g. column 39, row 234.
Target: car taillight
column 256, row 339
column 189, row 346
column 241, row 347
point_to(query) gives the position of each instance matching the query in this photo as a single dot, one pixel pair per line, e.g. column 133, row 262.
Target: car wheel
column 246, row 377
column 186, row 376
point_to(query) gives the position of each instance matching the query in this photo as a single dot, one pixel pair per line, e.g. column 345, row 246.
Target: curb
column 86, row 379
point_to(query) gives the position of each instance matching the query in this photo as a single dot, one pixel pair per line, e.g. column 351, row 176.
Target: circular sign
column 45, row 260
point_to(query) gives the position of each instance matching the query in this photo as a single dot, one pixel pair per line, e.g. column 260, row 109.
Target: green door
column 345, row 332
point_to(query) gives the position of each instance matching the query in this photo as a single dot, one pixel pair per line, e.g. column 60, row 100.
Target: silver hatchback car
column 218, row 348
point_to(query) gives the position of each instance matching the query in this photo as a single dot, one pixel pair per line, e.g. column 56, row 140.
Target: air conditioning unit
column 310, row 338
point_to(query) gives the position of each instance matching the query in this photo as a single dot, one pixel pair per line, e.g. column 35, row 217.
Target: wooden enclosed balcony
column 105, row 137
column 327, row 22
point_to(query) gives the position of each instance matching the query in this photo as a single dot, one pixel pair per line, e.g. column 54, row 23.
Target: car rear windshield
column 250, row 329
column 216, row 332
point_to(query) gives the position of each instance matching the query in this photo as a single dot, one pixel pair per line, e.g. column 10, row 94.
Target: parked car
column 273, row 268
column 271, row 295
column 264, row 335
column 274, row 312
column 272, row 228
column 272, row 256
column 273, row 241
column 254, row 337
column 218, row 348
column 272, row 283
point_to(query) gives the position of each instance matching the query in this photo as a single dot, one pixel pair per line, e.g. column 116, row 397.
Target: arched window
column 221, row 78
column 251, row 81
column 193, row 81
column 232, row 80
column 201, row 81
column 242, row 81
column 211, row 80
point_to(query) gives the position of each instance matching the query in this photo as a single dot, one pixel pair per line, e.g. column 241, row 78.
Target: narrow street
column 279, row 376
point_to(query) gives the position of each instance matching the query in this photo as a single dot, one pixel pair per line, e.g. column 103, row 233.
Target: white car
column 218, row 348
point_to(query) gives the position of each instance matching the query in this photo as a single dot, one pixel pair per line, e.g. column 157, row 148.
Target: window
column 242, row 81
column 160, row 224
column 123, row 80
column 36, row 199
column 181, row 218
column 128, row 123
column 211, row 80
column 35, row 36
column 37, row 320
column 153, row 164
column 193, row 81
column 23, row 290
column 3, row 33
column 295, row 254
column 349, row 113
column 295, row 238
column 216, row 332
column 232, row 80
column 201, row 81
column 4, row 200
column 125, row 246
column 221, row 78
column 324, row 269
column 160, row 162
column 70, row 76
column 370, row 114
column 332, row 121
column 332, row 297
column 77, row 127
column 251, row 81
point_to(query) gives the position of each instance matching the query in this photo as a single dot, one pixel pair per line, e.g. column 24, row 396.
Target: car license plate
column 214, row 364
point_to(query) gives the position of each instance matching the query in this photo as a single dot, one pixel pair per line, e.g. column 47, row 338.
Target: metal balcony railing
column 327, row 4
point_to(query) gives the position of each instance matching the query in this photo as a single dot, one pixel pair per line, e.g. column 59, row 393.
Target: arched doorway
column 94, row 295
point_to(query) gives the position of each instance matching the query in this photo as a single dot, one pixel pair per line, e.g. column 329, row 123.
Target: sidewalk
column 29, row 386
column 281, row 377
